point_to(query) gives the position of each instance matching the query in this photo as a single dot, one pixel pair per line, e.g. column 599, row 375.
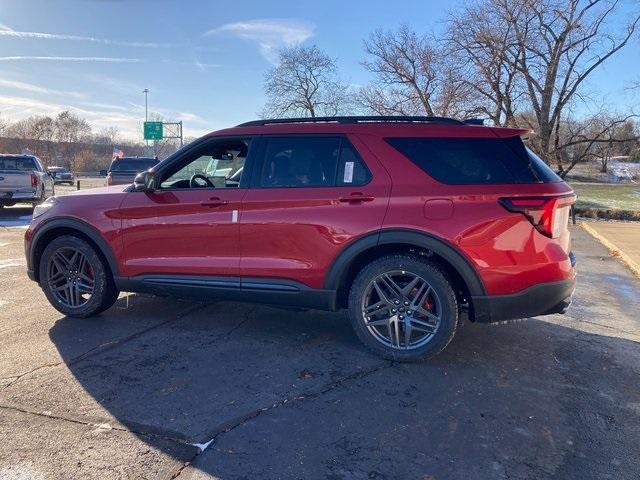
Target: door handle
column 356, row 198
column 214, row 202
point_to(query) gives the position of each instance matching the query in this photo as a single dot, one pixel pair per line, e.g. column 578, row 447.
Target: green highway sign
column 153, row 130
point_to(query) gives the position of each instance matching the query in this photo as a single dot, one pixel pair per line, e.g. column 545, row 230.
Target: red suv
column 405, row 221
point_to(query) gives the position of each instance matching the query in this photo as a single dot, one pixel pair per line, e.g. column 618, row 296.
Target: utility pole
column 146, row 104
column 146, row 108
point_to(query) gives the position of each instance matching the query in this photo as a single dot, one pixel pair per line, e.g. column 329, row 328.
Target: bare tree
column 484, row 50
column 596, row 137
column 536, row 56
column 70, row 130
column 411, row 76
column 563, row 43
column 304, row 83
column 4, row 124
column 108, row 136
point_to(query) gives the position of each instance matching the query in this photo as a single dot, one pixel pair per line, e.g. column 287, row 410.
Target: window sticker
column 348, row 172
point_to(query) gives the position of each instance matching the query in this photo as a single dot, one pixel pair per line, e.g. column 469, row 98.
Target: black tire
column 39, row 201
column 104, row 292
column 431, row 275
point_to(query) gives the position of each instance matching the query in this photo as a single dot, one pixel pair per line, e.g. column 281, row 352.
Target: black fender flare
column 440, row 247
column 71, row 224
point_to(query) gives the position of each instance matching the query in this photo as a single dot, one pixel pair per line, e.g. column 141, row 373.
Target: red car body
column 303, row 246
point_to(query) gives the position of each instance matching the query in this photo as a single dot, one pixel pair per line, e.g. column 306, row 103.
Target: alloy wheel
column 70, row 277
column 401, row 310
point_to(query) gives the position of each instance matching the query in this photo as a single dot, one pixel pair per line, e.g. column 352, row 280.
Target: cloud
column 30, row 87
column 7, row 32
column 17, row 58
column 16, row 108
column 100, row 115
column 269, row 34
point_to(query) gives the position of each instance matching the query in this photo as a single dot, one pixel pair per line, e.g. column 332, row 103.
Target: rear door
column 310, row 196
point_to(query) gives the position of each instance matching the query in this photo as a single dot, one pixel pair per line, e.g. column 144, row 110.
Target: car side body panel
column 296, row 233
column 505, row 249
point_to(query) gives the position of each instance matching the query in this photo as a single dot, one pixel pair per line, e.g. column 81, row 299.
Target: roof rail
column 355, row 119
column 473, row 121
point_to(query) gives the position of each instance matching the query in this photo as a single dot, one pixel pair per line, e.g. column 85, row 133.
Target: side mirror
column 144, row 182
column 103, row 173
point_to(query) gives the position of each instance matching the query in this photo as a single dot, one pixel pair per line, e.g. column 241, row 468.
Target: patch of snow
column 12, row 262
column 15, row 223
column 202, row 446
column 623, row 172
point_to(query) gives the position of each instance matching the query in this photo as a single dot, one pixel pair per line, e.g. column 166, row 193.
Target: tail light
column 549, row 215
column 34, row 180
column 109, row 179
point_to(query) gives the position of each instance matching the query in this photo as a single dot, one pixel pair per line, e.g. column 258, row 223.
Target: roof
column 21, row 155
column 400, row 126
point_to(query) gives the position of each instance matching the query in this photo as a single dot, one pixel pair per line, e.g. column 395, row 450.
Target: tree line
column 68, row 140
column 65, row 139
column 522, row 63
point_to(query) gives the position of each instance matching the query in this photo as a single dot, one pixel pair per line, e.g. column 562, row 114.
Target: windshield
column 133, row 164
column 22, row 164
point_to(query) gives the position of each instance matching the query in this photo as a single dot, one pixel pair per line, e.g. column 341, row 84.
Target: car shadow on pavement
column 294, row 395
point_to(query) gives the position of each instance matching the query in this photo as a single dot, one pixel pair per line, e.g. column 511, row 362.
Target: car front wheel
column 75, row 279
column 403, row 308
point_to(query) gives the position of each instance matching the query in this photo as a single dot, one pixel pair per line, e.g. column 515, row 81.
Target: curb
column 613, row 249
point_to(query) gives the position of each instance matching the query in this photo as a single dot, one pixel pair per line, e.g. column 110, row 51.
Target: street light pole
column 146, row 92
column 146, row 108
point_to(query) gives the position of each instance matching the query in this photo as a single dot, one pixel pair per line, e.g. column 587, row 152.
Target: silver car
column 23, row 179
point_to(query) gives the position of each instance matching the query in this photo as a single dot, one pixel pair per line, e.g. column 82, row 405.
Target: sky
column 202, row 61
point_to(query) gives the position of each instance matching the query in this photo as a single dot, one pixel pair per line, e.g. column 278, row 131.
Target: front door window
column 219, row 165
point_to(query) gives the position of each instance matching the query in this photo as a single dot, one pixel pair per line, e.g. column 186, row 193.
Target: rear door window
column 472, row 160
column 311, row 161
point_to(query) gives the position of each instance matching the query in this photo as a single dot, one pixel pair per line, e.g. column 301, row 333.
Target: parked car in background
column 61, row 175
column 410, row 223
column 124, row 169
column 23, row 179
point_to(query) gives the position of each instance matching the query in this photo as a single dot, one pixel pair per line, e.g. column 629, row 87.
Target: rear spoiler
column 502, row 132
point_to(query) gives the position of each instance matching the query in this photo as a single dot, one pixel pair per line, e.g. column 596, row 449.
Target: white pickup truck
column 23, row 179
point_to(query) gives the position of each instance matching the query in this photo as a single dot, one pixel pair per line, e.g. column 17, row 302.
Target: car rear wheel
column 403, row 308
column 39, row 200
column 75, row 279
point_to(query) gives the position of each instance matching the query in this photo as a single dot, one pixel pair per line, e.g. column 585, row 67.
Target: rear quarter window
column 465, row 161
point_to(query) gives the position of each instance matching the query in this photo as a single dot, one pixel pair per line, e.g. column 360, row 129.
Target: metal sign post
column 174, row 131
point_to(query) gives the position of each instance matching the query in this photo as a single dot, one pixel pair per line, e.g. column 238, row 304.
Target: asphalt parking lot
column 164, row 388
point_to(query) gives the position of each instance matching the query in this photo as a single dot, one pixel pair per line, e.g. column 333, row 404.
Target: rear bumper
column 542, row 299
column 17, row 196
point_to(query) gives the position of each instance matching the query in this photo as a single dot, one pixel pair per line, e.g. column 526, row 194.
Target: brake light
column 549, row 215
column 34, row 180
column 109, row 179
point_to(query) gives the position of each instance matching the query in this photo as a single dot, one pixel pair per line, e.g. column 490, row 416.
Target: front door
column 309, row 197
column 188, row 226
